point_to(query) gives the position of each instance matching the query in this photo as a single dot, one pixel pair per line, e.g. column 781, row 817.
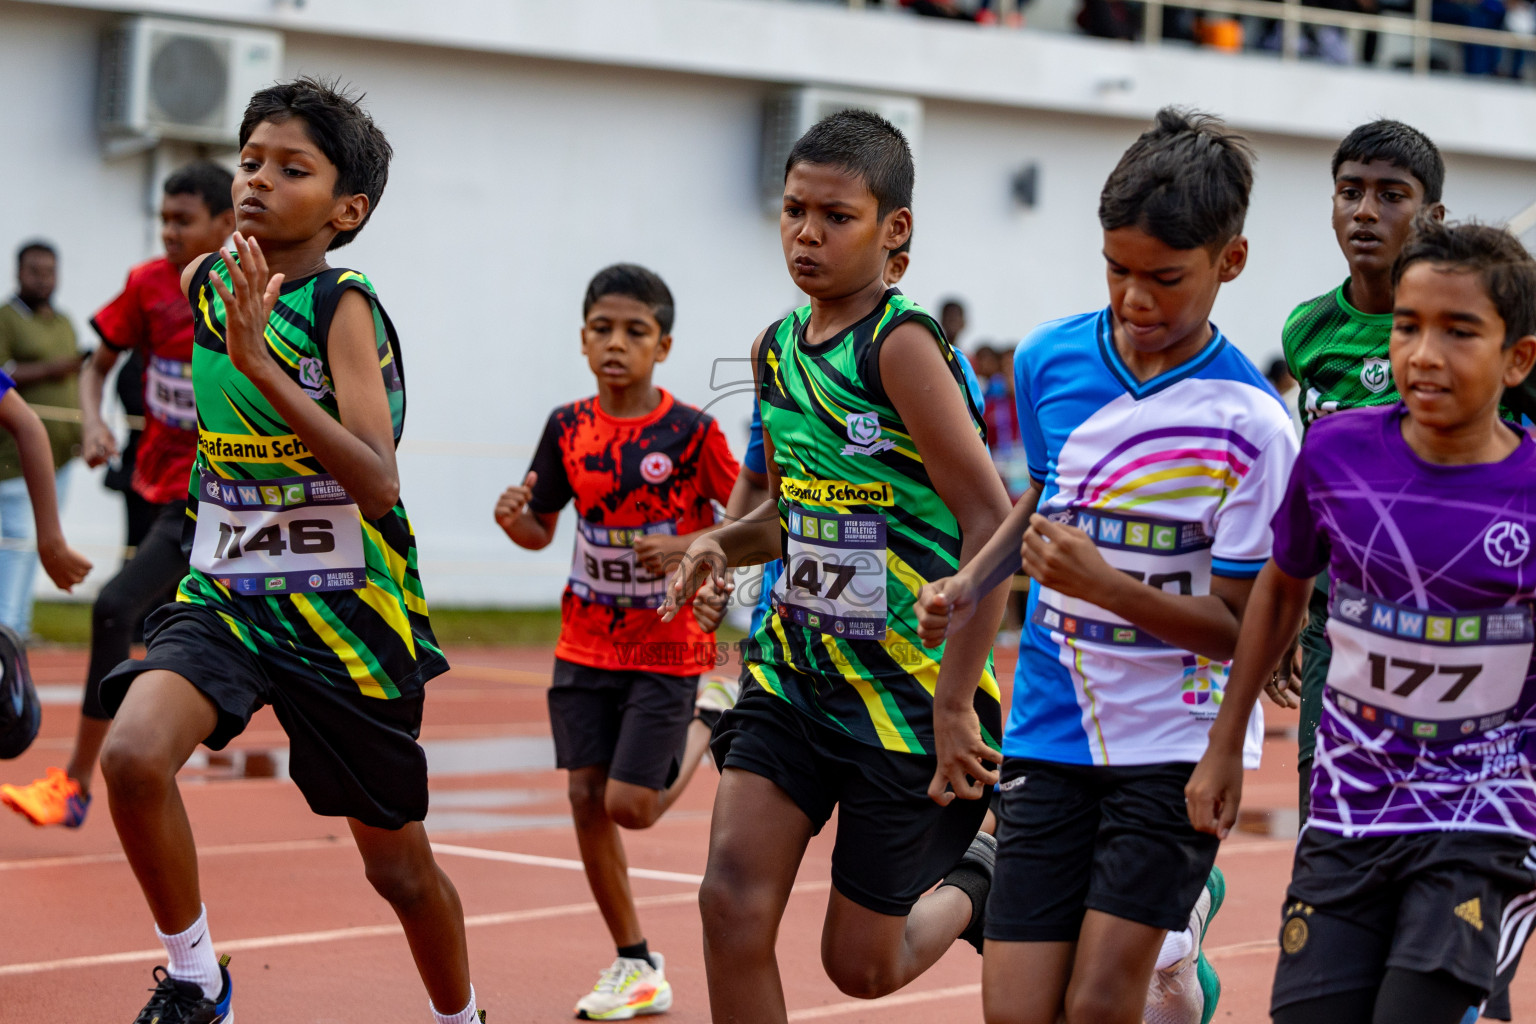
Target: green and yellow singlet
column 862, row 530
column 279, row 550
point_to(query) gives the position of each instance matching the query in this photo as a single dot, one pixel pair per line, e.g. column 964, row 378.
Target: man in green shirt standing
column 38, row 350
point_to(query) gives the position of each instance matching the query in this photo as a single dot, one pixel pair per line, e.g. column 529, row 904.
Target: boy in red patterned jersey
column 643, row 470
column 150, row 315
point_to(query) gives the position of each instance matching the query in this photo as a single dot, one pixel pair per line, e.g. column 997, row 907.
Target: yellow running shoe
column 54, row 799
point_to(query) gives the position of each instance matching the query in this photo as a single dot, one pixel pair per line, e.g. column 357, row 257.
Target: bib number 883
column 305, row 537
column 617, row 570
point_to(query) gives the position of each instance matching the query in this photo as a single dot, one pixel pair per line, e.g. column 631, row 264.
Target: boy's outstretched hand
column 63, row 564
column 961, row 753
column 710, row 603
column 1065, row 559
column 704, row 560
column 255, row 292
column 514, row 500
column 943, row 607
column 1214, row 793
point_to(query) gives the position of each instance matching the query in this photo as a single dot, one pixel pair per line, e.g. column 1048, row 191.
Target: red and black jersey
column 658, row 473
column 152, row 315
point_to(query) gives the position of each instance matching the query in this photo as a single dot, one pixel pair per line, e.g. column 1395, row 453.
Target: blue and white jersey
column 1176, row 480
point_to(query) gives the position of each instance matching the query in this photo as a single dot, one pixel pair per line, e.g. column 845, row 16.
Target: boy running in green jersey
column 303, row 591
column 1384, row 174
column 879, row 480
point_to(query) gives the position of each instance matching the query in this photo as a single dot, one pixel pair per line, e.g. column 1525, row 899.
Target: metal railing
column 1293, row 15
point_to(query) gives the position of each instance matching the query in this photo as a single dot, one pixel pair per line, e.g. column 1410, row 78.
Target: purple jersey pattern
column 1436, row 539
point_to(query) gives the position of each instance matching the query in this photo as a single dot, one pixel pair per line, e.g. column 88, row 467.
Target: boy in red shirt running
column 639, row 465
column 151, row 315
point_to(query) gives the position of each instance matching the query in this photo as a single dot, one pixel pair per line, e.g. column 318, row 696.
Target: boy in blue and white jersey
column 1158, row 454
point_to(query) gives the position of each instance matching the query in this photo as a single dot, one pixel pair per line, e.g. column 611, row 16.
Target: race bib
column 605, row 569
column 1162, row 553
column 1426, row 674
column 834, row 573
column 168, row 393
column 294, row 535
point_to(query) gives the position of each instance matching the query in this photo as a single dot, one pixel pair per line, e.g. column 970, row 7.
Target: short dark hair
column 35, row 245
column 864, row 143
column 206, row 180
column 336, row 122
column 1502, row 264
column 635, row 282
column 945, row 306
column 1401, row 146
column 1185, row 182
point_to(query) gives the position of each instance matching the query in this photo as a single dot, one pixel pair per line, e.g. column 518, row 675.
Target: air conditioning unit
column 789, row 114
column 168, row 79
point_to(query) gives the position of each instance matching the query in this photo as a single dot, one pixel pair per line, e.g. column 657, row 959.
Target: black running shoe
column 183, row 1002
column 973, row 876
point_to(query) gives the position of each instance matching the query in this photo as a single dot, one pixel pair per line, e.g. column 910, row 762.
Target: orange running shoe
column 55, row 799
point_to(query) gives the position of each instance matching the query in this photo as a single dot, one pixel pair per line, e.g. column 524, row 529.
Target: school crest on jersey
column 656, row 467
column 864, row 433
column 1376, row 375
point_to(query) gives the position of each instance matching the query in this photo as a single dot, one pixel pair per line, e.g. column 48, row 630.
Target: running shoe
column 183, row 1002
column 717, row 696
column 1187, row 992
column 628, row 989
column 54, row 799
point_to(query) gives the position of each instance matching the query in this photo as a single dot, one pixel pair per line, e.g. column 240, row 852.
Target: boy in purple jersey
column 1402, row 900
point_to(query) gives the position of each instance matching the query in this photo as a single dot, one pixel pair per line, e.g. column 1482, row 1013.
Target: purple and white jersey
column 1429, row 713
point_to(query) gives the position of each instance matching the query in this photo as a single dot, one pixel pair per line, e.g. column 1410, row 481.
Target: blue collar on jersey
column 1144, row 389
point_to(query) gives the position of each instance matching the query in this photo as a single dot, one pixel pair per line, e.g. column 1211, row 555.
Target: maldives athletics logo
column 656, row 467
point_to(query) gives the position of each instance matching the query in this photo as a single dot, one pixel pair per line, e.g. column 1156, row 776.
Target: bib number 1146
column 305, row 537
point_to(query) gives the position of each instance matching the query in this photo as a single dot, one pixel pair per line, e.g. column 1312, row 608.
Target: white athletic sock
column 1176, row 947
column 464, row 1016
column 191, row 957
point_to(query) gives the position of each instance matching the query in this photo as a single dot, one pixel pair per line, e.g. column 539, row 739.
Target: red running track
column 312, row 943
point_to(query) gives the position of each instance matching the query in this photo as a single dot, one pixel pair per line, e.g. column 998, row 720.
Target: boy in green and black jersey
column 879, row 480
column 303, row 591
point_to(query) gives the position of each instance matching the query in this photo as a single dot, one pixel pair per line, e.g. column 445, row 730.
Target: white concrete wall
column 519, row 174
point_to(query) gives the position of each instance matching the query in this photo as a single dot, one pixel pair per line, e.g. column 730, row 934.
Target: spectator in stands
column 952, row 319
column 38, row 350
column 1279, row 376
column 1475, row 59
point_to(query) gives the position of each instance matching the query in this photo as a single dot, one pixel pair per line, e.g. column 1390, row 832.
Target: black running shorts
column 634, row 722
column 351, row 755
column 1423, row 901
column 893, row 843
column 1073, row 838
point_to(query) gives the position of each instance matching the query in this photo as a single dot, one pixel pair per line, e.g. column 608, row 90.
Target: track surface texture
column 312, row 943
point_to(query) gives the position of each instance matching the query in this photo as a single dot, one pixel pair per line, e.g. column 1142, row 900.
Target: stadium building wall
column 536, row 143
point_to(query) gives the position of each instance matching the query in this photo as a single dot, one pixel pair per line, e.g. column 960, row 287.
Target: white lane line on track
column 334, row 935
column 83, row 859
column 479, row 853
column 885, row 1002
column 974, row 989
